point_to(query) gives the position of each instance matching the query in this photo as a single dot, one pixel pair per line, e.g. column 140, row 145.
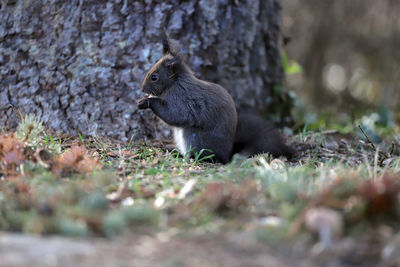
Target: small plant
column 199, row 157
column 289, row 66
column 51, row 144
column 81, row 138
column 30, row 130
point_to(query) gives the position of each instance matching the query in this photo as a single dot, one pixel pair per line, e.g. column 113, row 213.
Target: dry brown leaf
column 11, row 154
column 123, row 153
column 76, row 159
column 21, row 187
column 220, row 197
column 381, row 195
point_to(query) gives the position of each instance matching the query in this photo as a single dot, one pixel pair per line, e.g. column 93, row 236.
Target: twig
column 16, row 110
column 366, row 136
column 383, row 156
column 326, row 132
column 392, row 149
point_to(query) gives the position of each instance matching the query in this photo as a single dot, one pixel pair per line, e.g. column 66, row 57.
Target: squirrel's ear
column 171, row 64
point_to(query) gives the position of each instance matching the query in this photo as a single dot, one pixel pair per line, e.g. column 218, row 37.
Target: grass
column 89, row 186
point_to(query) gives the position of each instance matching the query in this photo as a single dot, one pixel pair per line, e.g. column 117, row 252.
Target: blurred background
column 79, row 64
column 342, row 59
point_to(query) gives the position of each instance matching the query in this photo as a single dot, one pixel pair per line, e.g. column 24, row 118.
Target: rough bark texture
column 79, row 64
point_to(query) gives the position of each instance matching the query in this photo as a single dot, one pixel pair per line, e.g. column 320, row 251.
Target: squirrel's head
column 165, row 72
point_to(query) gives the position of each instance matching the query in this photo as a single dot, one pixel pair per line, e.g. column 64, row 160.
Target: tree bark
column 79, row 64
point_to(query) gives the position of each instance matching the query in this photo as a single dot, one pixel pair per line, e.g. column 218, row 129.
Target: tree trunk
column 79, row 64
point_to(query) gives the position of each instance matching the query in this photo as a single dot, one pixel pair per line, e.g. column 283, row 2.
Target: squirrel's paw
column 143, row 103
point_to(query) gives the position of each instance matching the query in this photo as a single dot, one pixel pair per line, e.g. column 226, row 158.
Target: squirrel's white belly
column 180, row 141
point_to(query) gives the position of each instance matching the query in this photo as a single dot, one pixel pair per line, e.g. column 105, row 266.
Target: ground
column 145, row 250
column 87, row 201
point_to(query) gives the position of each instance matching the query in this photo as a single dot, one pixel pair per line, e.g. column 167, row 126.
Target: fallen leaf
column 11, row 154
column 381, row 195
column 76, row 159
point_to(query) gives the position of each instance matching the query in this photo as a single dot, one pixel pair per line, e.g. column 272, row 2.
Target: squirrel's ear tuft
column 169, row 47
column 165, row 42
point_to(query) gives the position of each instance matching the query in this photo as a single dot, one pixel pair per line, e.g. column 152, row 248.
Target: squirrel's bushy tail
column 254, row 135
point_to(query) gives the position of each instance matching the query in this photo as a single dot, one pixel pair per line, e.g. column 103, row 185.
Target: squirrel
column 203, row 114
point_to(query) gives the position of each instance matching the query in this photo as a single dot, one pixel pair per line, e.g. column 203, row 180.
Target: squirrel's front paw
column 143, row 103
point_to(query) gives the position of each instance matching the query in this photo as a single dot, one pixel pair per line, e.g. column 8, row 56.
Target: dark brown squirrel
column 203, row 114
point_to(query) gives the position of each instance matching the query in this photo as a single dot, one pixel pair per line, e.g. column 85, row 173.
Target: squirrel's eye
column 154, row 77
